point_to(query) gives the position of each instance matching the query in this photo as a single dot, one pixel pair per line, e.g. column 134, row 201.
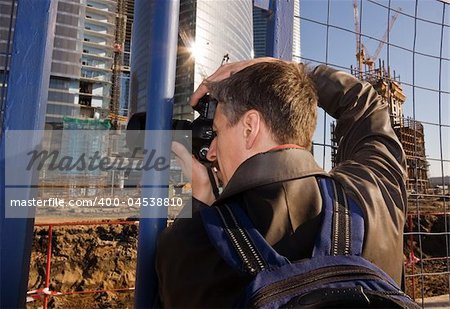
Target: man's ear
column 252, row 126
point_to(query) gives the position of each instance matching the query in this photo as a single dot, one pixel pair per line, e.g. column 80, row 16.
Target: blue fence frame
column 25, row 108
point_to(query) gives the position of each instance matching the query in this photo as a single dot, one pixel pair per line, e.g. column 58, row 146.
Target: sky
column 415, row 51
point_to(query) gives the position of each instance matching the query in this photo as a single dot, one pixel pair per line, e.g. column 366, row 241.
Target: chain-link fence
column 405, row 47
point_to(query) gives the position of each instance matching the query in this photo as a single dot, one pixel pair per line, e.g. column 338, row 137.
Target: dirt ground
column 98, row 257
column 103, row 257
column 429, row 250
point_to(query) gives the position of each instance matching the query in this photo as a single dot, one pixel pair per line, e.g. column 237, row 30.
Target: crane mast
column 363, row 60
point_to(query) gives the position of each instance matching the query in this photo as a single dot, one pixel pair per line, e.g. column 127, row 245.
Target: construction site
column 95, row 67
column 409, row 131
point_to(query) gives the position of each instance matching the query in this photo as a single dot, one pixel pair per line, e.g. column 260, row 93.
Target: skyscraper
column 125, row 76
column 296, row 46
column 260, row 22
column 80, row 81
column 121, row 66
column 82, row 58
column 260, row 18
column 210, row 31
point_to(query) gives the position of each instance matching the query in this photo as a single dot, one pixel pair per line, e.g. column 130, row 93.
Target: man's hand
column 192, row 168
column 224, row 72
column 196, row 173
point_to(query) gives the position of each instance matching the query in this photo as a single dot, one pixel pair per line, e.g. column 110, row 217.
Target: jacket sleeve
column 363, row 131
column 370, row 162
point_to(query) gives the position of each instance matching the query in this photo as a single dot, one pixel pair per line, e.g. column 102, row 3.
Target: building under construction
column 118, row 109
column 410, row 132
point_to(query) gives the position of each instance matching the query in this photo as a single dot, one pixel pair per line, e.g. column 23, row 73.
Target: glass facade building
column 124, row 98
column 260, row 20
column 124, row 93
column 140, row 50
column 209, row 31
column 296, row 47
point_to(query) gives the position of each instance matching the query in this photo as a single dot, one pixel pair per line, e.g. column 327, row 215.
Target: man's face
column 227, row 150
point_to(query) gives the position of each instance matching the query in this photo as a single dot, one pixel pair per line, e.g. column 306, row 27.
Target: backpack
column 335, row 276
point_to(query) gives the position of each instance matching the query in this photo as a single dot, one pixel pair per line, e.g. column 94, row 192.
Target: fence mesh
column 406, row 46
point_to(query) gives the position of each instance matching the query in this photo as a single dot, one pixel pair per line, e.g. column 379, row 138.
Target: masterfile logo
column 78, row 172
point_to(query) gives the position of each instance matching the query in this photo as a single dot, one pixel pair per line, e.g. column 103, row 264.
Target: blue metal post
column 279, row 27
column 24, row 110
column 160, row 78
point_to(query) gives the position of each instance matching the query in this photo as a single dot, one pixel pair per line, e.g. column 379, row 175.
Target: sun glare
column 195, row 50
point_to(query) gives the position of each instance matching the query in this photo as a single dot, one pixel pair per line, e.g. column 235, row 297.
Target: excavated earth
column 99, row 257
column 103, row 257
column 430, row 251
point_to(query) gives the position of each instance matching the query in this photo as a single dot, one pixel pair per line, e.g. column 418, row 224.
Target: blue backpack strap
column 237, row 240
column 241, row 245
column 342, row 231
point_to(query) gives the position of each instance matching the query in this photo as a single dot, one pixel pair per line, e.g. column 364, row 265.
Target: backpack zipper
column 305, row 280
column 341, row 222
column 253, row 262
column 249, row 243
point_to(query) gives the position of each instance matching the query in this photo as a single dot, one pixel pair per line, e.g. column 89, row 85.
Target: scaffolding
column 410, row 132
column 121, row 23
column 412, row 137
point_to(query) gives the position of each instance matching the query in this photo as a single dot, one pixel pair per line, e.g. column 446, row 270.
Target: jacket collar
column 270, row 167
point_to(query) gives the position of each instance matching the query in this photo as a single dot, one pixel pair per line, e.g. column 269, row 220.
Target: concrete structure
column 84, row 31
column 410, row 132
column 412, row 137
column 390, row 88
column 82, row 59
column 436, row 302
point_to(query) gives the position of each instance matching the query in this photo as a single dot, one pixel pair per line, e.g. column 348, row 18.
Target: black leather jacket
column 281, row 195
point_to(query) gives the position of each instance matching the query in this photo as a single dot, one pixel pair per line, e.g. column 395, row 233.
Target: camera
column 201, row 127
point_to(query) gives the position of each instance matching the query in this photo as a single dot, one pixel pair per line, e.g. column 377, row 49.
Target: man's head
column 283, row 94
column 262, row 106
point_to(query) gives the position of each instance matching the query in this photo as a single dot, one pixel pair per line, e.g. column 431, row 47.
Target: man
column 264, row 125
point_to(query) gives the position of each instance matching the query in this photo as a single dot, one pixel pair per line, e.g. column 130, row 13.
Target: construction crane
column 362, row 56
column 360, row 50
